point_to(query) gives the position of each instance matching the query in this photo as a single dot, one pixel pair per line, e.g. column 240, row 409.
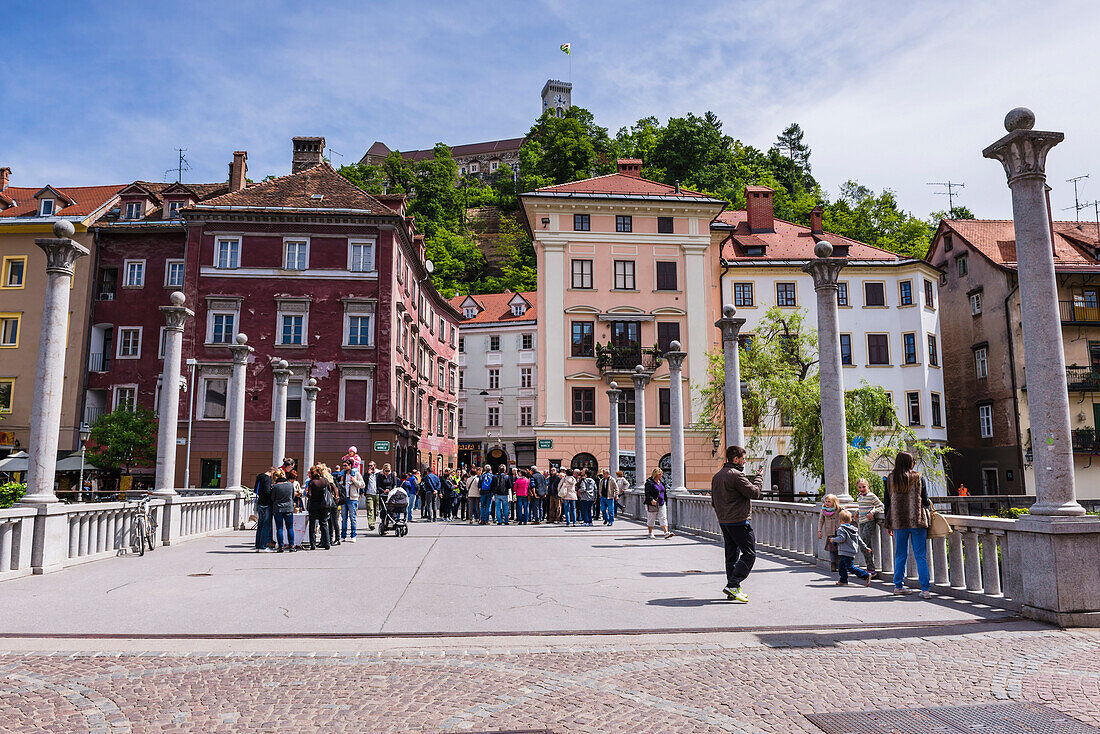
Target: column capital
column 730, row 326
column 614, row 393
column 675, row 357
column 825, row 269
column 176, row 315
column 241, row 351
column 640, row 378
column 61, row 254
column 282, row 373
column 1023, row 152
column 311, row 389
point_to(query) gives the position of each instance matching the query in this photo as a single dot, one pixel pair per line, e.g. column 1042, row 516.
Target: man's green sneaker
column 736, row 595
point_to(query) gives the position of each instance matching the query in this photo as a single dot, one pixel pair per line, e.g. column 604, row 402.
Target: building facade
column 625, row 267
column 498, row 374
column 983, row 345
column 889, row 314
column 27, row 213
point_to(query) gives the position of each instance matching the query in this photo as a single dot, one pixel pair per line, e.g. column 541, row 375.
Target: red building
column 315, row 271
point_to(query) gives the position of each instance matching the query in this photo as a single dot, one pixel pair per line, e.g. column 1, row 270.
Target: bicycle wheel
column 138, row 535
column 151, row 533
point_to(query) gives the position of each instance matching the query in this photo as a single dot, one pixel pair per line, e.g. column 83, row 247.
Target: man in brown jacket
column 731, row 494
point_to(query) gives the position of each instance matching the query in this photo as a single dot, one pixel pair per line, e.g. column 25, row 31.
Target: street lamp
column 85, row 434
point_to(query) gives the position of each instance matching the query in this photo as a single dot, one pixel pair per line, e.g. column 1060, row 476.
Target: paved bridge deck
column 450, row 578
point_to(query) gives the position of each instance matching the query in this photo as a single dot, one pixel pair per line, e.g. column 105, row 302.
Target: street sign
column 181, row 441
column 546, row 443
column 382, row 446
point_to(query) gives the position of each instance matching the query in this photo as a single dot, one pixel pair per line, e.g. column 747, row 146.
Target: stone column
column 61, row 256
column 175, row 316
column 641, row 379
column 310, row 391
column 731, row 329
column 613, row 396
column 237, row 383
column 1023, row 153
column 676, row 359
column 282, row 380
column 834, row 428
column 552, row 314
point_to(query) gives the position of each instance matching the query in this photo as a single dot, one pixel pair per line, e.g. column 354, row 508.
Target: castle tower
column 556, row 95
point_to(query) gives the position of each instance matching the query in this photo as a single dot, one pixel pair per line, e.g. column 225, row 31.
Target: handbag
column 938, row 525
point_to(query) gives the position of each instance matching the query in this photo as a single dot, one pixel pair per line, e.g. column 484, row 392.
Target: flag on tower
column 565, row 47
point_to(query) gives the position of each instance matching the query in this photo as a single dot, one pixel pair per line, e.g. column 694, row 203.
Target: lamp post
column 85, row 434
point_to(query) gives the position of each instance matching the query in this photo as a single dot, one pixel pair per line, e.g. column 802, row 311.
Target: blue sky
column 890, row 94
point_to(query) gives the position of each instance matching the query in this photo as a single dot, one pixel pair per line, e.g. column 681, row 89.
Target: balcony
column 1082, row 379
column 1078, row 313
column 622, row 360
column 93, row 413
column 1085, row 441
column 99, row 362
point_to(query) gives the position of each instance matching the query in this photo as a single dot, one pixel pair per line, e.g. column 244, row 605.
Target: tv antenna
column 181, row 165
column 1096, row 212
column 950, row 193
column 332, row 152
column 1077, row 205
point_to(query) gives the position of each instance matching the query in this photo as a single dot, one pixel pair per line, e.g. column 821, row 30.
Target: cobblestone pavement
column 719, row 682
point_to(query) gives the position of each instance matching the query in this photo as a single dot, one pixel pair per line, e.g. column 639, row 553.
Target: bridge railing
column 16, row 539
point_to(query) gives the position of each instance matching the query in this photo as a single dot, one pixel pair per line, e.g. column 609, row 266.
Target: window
column 627, row 408
column 470, row 312
column 874, row 294
column 905, row 293
column 494, row 379
column 584, row 406
column 878, row 349
column 961, row 266
column 624, row 275
column 929, row 295
column 583, row 344
column 294, row 400
column 744, row 342
column 451, row 373
column 948, row 243
column 526, row 415
column 45, row 208
column 361, row 257
column 461, row 345
column 134, row 210
column 664, row 406
column 912, row 401
column 133, row 274
column 527, row 341
column 290, row 331
column 162, row 342
column 519, row 309
column 846, row 349
column 525, row 376
column 474, row 167
column 933, row 352
column 493, row 166
column 664, row 225
column 173, row 273
column 667, row 332
column 623, row 223
column 494, row 343
column 981, row 362
column 937, row 413
column 785, row 294
column 742, row 295
column 359, row 331
column 985, row 420
column 581, row 223
column 975, row 303
column 909, row 348
column 7, row 392
column 462, row 379
column 125, row 397
column 174, row 209
column 666, row 276
column 461, row 417
column 214, row 398
column 227, row 254
column 129, row 342
column 582, row 274
column 9, row 329
column 441, row 370
column 886, row 417
column 842, row 294
column 492, row 416
column 221, row 328
column 14, row 272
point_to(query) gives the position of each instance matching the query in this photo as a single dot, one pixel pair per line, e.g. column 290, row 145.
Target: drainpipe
column 1012, row 373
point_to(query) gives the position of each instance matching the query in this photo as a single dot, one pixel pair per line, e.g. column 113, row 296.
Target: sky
column 893, row 95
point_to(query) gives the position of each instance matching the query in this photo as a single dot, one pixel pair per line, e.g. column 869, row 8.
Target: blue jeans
column 284, row 520
column 586, row 511
column 537, row 508
column 486, row 507
column 349, row 508
column 847, row 565
column 523, row 509
column 500, row 508
column 263, row 526
column 569, row 512
column 918, row 538
column 607, row 509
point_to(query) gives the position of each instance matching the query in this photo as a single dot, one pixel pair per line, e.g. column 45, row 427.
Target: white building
column 889, row 318
column 497, row 379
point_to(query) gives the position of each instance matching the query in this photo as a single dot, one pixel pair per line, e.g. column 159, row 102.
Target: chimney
column 307, row 153
column 5, row 174
column 758, row 204
column 1050, row 220
column 238, row 170
column 815, row 220
column 630, row 167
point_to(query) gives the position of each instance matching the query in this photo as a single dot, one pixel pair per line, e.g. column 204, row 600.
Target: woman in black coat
column 282, row 501
column 318, row 498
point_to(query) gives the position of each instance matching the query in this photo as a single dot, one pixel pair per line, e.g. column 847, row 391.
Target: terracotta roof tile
column 298, row 191
column 491, row 146
column 156, row 217
column 496, row 309
column 619, row 184
column 87, row 200
column 996, row 240
column 788, row 242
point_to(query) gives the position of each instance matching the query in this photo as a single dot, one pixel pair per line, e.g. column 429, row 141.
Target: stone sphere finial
column 177, row 298
column 282, row 364
column 638, row 369
column 312, row 382
column 674, row 347
column 728, row 311
column 1020, row 118
column 614, row 385
column 242, row 338
column 823, row 249
column 63, row 229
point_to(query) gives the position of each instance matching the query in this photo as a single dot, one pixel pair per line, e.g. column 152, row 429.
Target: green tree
column 123, row 440
column 367, row 177
column 10, row 493
column 877, row 220
column 566, row 148
column 639, row 140
column 693, row 151
column 956, row 212
column 793, row 157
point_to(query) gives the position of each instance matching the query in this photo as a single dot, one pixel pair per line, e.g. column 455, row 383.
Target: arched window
column 782, row 476
column 665, row 465
column 585, row 461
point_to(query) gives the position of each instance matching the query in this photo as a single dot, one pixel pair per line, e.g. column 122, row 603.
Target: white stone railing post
column 676, row 359
column 641, row 379
column 175, row 317
column 237, row 384
column 282, row 380
column 308, row 450
column 734, row 413
column 613, row 396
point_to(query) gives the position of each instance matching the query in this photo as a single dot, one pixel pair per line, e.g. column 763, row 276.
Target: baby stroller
column 392, row 511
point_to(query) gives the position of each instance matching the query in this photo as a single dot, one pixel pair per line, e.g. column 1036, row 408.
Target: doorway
column 989, row 480
column 782, row 472
column 211, row 473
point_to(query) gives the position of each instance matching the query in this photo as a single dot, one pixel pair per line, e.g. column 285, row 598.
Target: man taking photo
column 731, row 495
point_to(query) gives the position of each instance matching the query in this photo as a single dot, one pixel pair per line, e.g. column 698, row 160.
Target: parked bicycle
column 143, row 526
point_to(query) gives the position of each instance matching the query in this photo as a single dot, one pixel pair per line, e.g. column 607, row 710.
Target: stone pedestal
column 175, row 317
column 241, row 352
column 282, row 380
column 50, row 542
column 310, row 391
column 1059, row 558
column 734, row 414
column 641, row 379
column 45, row 424
column 675, row 359
column 613, row 396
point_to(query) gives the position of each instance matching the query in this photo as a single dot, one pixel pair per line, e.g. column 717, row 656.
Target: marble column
column 731, row 329
column 1023, row 153
column 237, row 384
column 613, row 395
column 310, row 391
column 282, row 380
column 834, row 427
column 175, row 316
column 676, row 359
column 641, row 379
column 552, row 314
column 45, row 424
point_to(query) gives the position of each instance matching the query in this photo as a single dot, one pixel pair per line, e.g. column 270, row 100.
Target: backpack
column 486, row 482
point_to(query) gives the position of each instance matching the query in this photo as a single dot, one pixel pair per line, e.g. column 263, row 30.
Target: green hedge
column 11, row 493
